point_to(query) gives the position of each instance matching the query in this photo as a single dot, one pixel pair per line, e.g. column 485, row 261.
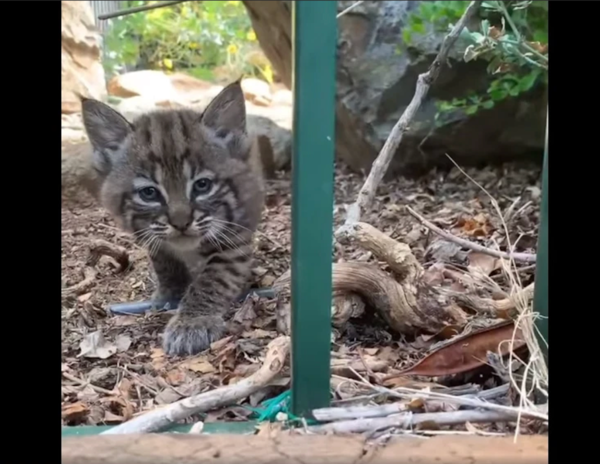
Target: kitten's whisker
column 231, row 243
column 258, row 232
column 222, row 221
column 233, row 233
column 214, row 240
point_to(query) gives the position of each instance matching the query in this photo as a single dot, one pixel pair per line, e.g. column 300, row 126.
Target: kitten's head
column 177, row 176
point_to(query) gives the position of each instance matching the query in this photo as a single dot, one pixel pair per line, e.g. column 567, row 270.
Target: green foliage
column 193, row 36
column 513, row 39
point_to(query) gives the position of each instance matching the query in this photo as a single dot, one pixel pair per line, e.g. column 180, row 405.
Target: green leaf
column 540, row 36
column 514, row 91
column 406, row 36
column 488, row 104
column 527, row 81
column 471, row 109
column 419, row 28
column 498, row 94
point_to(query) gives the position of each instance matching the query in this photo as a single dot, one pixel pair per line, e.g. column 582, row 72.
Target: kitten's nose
column 181, row 227
column 180, row 220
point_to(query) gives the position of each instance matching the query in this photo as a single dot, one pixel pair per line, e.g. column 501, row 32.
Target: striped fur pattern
column 188, row 186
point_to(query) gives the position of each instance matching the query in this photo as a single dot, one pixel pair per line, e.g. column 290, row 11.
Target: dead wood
column 518, row 257
column 406, row 306
column 89, row 278
column 493, row 307
column 101, row 248
column 158, row 419
column 382, row 162
column 242, row 449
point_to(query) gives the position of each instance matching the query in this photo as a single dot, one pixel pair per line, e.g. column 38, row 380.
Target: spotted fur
column 188, row 186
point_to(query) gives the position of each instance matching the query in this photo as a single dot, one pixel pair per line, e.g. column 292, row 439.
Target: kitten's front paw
column 190, row 335
column 162, row 298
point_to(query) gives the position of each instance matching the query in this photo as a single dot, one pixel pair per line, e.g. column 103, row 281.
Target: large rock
column 376, row 79
column 81, row 68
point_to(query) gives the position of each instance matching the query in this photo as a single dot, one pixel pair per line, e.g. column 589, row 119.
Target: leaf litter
column 114, row 367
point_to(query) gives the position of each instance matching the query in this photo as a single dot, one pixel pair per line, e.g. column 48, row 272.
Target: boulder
column 81, row 67
column 157, row 86
column 257, row 91
column 376, row 79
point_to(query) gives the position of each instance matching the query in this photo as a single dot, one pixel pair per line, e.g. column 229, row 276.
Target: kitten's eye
column 149, row 194
column 202, row 186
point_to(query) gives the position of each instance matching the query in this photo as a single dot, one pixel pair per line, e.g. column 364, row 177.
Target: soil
column 114, row 368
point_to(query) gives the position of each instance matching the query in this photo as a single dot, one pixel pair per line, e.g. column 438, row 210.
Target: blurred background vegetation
column 211, row 40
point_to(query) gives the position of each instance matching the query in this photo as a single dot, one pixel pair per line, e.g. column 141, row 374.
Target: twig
column 408, row 419
column 89, row 278
column 382, row 162
column 350, row 8
column 404, row 392
column 101, row 248
column 277, row 352
column 84, row 383
column 357, row 412
column 521, row 257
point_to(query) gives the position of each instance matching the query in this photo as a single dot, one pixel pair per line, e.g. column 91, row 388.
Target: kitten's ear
column 105, row 127
column 227, row 112
column 106, row 130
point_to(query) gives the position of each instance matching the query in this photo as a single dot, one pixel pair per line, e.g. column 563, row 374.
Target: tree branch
column 382, row 162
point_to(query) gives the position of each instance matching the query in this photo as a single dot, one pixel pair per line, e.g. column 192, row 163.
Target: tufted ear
column 227, row 112
column 106, row 129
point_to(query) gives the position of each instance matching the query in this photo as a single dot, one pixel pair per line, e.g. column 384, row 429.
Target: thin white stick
column 521, row 257
column 350, row 8
column 407, row 420
column 382, row 162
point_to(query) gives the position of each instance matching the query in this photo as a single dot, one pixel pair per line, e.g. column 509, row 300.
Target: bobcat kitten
column 188, row 186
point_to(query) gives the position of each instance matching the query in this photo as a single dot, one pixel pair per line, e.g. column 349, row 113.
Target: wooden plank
column 242, row 449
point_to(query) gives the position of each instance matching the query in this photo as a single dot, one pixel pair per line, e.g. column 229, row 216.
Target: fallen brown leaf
column 199, row 364
column 74, row 412
column 466, row 353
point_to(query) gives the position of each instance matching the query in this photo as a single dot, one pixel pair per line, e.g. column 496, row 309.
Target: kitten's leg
column 199, row 321
column 173, row 277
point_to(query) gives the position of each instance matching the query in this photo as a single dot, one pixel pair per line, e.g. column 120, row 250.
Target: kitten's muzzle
column 180, row 220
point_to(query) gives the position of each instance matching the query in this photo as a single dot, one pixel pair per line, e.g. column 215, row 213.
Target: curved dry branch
column 407, row 307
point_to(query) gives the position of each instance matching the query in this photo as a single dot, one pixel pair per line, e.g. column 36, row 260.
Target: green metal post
column 540, row 297
column 314, row 30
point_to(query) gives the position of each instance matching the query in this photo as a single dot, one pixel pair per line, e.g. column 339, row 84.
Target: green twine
column 268, row 409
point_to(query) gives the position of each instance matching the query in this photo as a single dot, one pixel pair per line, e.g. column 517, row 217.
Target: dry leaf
column 216, row 346
column 83, row 298
column 257, row 333
column 199, row 364
column 123, row 342
column 269, row 429
column 74, row 412
column 246, row 314
column 95, row 346
column 483, row 263
column 110, row 418
column 175, row 377
column 434, row 275
column 158, row 358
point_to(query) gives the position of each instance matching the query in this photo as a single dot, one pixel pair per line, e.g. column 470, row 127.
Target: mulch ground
column 114, row 368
